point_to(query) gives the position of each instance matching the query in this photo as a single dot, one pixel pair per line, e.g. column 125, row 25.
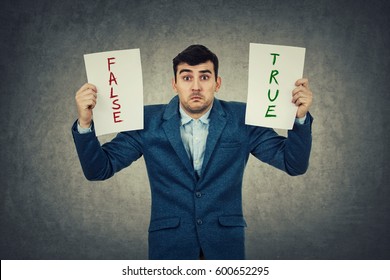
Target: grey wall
column 338, row 210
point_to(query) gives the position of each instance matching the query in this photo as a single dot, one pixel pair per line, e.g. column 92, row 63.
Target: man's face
column 196, row 86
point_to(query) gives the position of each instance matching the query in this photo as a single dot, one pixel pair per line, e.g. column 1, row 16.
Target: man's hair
column 194, row 55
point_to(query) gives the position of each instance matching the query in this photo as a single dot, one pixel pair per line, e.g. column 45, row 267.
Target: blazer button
column 199, row 221
column 198, row 194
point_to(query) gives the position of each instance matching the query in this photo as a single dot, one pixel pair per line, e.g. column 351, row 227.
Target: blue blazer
column 190, row 214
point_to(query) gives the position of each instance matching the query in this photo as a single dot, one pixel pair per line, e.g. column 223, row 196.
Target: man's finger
column 302, row 82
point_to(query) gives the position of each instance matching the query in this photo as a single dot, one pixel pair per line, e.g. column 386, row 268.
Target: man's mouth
column 196, row 97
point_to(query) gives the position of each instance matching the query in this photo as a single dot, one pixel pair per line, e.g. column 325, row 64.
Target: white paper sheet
column 118, row 78
column 273, row 71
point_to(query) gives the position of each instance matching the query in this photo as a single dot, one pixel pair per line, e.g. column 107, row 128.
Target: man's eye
column 204, row 77
column 187, row 78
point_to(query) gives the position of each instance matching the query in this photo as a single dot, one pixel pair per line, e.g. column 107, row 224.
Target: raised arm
column 101, row 162
column 289, row 154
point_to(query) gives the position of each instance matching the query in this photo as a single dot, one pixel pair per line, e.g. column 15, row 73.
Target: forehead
column 208, row 65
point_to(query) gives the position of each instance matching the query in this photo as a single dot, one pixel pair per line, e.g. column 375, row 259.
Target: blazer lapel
column 217, row 124
column 171, row 127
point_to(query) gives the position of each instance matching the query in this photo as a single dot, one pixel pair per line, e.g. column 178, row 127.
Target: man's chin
column 197, row 109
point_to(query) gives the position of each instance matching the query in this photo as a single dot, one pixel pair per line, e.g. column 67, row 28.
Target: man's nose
column 196, row 85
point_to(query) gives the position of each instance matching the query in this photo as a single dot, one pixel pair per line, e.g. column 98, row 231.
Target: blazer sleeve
column 289, row 154
column 100, row 162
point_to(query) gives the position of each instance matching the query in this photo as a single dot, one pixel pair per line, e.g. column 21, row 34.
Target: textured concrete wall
column 338, row 210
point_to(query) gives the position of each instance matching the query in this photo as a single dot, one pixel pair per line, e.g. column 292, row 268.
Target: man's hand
column 86, row 100
column 302, row 97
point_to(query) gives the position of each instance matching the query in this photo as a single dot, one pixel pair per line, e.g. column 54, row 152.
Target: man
column 195, row 149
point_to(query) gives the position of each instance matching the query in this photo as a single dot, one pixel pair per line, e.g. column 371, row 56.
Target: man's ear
column 174, row 85
column 219, row 83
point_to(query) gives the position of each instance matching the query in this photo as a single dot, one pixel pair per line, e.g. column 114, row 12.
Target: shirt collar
column 185, row 119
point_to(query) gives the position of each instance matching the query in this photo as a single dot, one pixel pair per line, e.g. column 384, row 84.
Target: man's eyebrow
column 190, row 71
column 185, row 70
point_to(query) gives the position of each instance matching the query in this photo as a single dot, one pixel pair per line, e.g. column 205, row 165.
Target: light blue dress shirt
column 194, row 136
